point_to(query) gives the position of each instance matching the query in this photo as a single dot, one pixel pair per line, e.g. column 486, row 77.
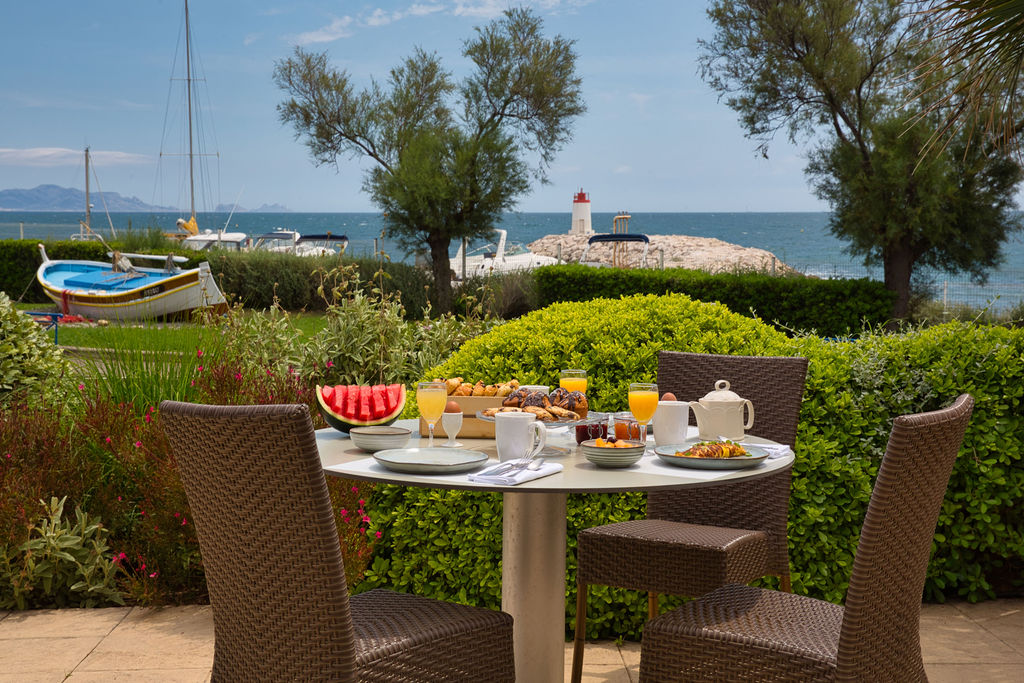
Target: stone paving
column 961, row 643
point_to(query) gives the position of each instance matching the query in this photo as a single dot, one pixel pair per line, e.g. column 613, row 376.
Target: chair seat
column 677, row 558
column 740, row 633
column 407, row 637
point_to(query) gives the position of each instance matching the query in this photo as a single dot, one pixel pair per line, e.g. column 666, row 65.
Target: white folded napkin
column 513, row 477
column 773, row 450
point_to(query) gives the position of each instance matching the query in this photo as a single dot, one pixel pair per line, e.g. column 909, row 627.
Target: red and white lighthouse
column 581, row 214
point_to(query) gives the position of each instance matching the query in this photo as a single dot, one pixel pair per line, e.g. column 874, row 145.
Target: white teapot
column 720, row 413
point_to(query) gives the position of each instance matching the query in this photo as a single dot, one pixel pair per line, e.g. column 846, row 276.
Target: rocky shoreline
column 674, row 251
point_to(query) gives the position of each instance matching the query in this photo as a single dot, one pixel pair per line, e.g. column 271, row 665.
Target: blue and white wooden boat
column 123, row 291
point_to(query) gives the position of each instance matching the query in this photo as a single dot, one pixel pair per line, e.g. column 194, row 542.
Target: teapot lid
column 721, row 394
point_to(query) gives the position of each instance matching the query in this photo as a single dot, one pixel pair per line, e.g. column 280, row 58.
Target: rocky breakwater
column 679, row 251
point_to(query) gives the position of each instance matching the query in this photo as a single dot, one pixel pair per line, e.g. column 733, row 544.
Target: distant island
column 56, row 198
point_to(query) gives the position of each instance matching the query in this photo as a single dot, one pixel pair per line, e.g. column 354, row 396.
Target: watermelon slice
column 378, row 398
column 359, row 406
column 338, row 402
column 351, row 401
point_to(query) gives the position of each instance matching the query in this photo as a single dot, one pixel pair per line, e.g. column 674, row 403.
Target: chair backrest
column 879, row 639
column 774, row 385
column 268, row 539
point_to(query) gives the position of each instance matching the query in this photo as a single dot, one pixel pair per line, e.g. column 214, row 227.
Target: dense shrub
column 853, row 391
column 829, row 308
column 28, row 359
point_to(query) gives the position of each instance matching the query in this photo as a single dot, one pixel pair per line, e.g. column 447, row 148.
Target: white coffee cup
column 670, row 422
column 514, row 435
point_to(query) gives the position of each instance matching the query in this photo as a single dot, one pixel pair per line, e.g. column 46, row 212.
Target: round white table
column 533, row 525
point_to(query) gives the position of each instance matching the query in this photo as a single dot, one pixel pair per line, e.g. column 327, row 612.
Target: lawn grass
column 156, row 336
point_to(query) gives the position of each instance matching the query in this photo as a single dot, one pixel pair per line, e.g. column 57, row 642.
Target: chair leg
column 784, row 583
column 582, row 590
column 652, row 605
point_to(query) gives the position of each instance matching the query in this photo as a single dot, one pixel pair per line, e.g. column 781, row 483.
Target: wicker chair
column 273, row 562
column 695, row 540
column 741, row 633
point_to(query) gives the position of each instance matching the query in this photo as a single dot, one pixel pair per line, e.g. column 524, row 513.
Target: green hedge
column 447, row 543
column 829, row 308
column 252, row 278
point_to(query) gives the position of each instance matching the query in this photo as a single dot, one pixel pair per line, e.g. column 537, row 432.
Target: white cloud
column 624, row 168
column 381, row 18
column 251, row 38
column 339, row 28
column 486, row 9
column 418, row 10
column 639, row 99
column 61, row 156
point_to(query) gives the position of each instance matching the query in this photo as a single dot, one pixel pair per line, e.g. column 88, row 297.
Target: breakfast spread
column 714, row 449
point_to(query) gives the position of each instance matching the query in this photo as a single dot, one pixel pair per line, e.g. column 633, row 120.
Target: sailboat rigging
column 85, row 231
column 189, row 226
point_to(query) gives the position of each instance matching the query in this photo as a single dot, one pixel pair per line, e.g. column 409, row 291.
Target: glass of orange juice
column 643, row 401
column 573, row 380
column 431, row 398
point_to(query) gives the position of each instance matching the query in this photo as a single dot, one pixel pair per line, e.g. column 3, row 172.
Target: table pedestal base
column 533, row 582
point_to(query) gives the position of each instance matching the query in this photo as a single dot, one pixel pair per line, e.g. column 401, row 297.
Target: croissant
column 563, row 414
column 490, row 390
column 463, row 390
column 478, row 389
column 452, row 384
column 503, row 389
column 542, row 415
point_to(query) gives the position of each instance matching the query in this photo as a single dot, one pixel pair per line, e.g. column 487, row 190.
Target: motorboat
column 122, row 291
column 497, row 257
column 285, row 241
column 220, row 239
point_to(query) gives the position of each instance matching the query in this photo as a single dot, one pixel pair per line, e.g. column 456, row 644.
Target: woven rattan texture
column 739, row 633
column 274, row 571
column 647, row 555
column 753, row 515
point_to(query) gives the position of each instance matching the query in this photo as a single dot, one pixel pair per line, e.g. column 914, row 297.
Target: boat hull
column 92, row 290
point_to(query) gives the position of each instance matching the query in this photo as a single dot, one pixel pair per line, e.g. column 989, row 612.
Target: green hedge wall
column 447, row 543
column 252, row 278
column 829, row 308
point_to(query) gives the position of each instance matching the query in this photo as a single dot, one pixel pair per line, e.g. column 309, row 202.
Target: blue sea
column 801, row 240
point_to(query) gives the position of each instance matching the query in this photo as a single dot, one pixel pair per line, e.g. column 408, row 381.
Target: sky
column 108, row 74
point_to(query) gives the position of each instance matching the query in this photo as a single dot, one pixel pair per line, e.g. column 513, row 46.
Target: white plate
column 430, row 460
column 668, row 454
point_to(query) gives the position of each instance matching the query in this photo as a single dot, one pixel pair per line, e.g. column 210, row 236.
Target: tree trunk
column 441, row 266
column 898, row 264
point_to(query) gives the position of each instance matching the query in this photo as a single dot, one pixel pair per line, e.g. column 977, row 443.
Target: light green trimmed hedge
column 448, row 543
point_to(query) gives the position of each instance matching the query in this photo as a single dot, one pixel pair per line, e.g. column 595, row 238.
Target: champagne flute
column 643, row 401
column 431, row 398
column 573, row 380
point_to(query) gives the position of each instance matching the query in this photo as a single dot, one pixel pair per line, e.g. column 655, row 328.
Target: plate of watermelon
column 345, row 406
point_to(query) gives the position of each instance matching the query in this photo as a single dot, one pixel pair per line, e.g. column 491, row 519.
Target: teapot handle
column 750, row 414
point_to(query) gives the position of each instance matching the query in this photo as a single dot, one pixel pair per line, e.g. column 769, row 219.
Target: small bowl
column 603, row 456
column 379, row 437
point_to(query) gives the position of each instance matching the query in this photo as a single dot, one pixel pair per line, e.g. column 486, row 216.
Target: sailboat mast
column 88, row 206
column 188, row 88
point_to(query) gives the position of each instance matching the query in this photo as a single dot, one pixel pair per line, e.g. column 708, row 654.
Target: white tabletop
column 341, row 458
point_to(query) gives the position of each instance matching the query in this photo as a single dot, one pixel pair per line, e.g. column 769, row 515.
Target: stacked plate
column 379, row 438
column 604, row 456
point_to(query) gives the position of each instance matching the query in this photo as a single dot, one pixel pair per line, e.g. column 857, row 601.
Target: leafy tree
column 448, row 160
column 838, row 69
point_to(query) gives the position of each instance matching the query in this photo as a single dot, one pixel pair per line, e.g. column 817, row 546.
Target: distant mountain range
column 56, row 198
